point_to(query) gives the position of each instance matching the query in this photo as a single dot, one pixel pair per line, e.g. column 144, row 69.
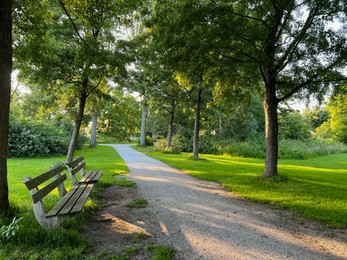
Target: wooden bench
column 78, row 165
column 70, row 202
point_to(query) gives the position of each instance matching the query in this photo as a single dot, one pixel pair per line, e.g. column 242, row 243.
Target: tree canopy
column 290, row 43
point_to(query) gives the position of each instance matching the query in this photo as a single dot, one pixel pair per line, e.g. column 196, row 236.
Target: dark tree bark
column 197, row 125
column 271, row 132
column 171, row 124
column 78, row 121
column 5, row 95
column 269, row 72
column 94, row 126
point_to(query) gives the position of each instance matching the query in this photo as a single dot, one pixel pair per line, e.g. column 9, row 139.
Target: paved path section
column 202, row 221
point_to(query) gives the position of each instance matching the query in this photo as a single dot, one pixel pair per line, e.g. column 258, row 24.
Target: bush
column 176, row 147
column 30, row 140
column 160, row 145
column 249, row 148
column 149, row 141
column 81, row 140
column 294, row 149
column 66, row 129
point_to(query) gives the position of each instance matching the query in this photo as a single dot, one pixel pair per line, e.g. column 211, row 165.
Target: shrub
column 160, row 145
column 288, row 149
column 248, row 148
column 81, row 140
column 176, row 147
column 294, row 149
column 29, row 140
column 149, row 141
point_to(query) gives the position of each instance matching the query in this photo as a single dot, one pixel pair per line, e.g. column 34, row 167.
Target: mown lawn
column 30, row 241
column 316, row 188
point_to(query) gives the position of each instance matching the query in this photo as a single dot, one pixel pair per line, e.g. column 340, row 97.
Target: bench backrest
column 75, row 166
column 33, row 184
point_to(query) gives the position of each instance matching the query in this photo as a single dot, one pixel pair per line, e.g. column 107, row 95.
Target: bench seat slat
column 82, row 199
column 97, row 175
column 55, row 211
column 91, row 177
column 72, row 201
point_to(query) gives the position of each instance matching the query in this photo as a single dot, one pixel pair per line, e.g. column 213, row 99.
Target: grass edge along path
column 315, row 188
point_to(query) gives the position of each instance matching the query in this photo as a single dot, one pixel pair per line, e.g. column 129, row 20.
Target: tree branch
column 74, row 25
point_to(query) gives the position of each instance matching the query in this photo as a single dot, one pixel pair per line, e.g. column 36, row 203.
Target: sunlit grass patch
column 137, row 203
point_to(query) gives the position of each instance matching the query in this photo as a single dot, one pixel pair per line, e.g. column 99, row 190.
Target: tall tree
column 78, row 51
column 289, row 42
column 5, row 94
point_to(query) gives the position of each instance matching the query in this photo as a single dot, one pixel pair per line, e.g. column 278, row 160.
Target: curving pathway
column 200, row 220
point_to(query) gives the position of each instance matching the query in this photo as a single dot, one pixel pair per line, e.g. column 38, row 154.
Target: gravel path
column 200, row 220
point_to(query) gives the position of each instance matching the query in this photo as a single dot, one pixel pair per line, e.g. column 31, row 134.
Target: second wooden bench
column 78, row 165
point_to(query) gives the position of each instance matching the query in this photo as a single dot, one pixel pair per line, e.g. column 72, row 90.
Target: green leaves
column 9, row 231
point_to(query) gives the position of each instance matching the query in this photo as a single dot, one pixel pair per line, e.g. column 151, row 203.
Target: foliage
column 120, row 118
column 292, row 125
column 176, row 145
column 255, row 148
column 324, row 131
column 29, row 140
column 338, row 117
column 252, row 148
column 287, row 44
column 9, row 231
column 149, row 141
column 317, row 116
column 316, row 188
column 295, row 149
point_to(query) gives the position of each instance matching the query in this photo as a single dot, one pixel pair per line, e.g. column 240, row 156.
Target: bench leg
column 46, row 223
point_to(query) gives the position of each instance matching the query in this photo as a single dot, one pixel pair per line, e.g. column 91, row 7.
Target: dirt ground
column 116, row 229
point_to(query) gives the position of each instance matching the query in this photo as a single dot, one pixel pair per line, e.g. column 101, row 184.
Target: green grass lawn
column 316, row 188
column 30, row 241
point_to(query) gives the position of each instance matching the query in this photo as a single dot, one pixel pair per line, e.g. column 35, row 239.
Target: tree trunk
column 271, row 131
column 143, row 124
column 94, row 126
column 5, row 95
column 78, row 122
column 171, row 125
column 270, row 102
column 197, row 125
column 220, row 126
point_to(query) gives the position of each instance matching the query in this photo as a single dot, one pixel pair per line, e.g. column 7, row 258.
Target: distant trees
column 288, row 43
column 335, row 125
